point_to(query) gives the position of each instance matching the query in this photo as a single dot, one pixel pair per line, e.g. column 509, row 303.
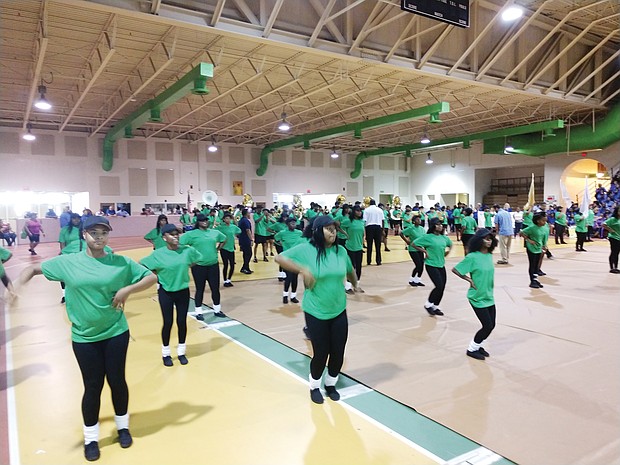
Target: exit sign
column 449, row 11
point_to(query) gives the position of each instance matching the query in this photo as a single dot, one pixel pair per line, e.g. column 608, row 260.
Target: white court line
column 10, row 395
column 480, row 456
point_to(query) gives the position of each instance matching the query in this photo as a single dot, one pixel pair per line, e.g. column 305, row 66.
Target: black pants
column 418, row 261
column 246, row 250
column 356, row 260
column 615, row 250
column 228, row 259
column 465, row 238
column 486, row 316
column 202, row 274
column 534, row 263
column 99, row 361
column 290, row 281
column 374, row 236
column 439, row 278
column 279, row 249
column 559, row 233
column 167, row 302
column 5, row 280
column 581, row 238
column 589, row 233
column 329, row 338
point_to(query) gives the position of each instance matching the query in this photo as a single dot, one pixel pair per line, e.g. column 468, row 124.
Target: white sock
column 217, row 308
column 348, row 286
column 293, row 295
column 181, row 349
column 314, row 383
column 284, row 293
column 428, row 304
column 412, row 280
column 198, row 310
column 473, row 347
column 91, row 433
column 63, row 292
column 165, row 351
column 416, row 279
column 122, row 421
column 330, row 380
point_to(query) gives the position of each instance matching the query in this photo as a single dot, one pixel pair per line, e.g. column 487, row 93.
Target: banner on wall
column 237, row 187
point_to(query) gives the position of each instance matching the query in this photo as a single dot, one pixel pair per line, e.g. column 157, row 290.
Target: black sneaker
column 539, row 285
column 167, row 360
column 62, row 301
column 332, row 393
column 220, row 314
column 387, row 250
column 412, row 284
column 477, row 355
column 265, row 259
column 307, row 332
column 124, row 438
column 280, row 279
column 285, row 300
column 294, row 300
column 200, row 317
column 615, row 271
column 430, row 310
column 315, row 395
column 255, row 260
column 91, row 451
column 183, row 360
column 227, row 284
column 483, row 352
column 541, row 273
column 437, row 311
column 271, row 254
column 246, row 271
column 350, row 291
column 420, row 284
column 535, row 285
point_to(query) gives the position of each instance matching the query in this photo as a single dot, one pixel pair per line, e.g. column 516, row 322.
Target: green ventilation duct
column 548, row 126
column 355, row 128
column 581, row 138
column 194, row 82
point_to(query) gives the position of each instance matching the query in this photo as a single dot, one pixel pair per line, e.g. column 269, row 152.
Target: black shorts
column 258, row 239
column 465, row 238
column 34, row 237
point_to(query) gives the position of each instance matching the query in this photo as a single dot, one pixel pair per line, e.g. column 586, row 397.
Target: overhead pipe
column 194, row 82
column 465, row 140
column 354, row 128
column 601, row 134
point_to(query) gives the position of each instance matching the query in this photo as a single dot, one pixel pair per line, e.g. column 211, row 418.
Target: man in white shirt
column 373, row 217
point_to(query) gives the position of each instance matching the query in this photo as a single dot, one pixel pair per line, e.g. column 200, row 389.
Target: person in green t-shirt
column 612, row 226
column 98, row 285
column 478, row 263
column 5, row 256
column 323, row 264
column 260, row 218
column 468, row 227
column 410, row 234
column 356, row 230
column 227, row 251
column 171, row 265
column 581, row 229
column 208, row 242
column 457, row 215
column 186, row 220
column 536, row 243
column 154, row 235
column 69, row 234
column 289, row 238
column 560, row 225
column 435, row 246
column 274, row 227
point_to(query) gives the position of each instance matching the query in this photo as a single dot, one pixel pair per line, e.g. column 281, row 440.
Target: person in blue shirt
column 505, row 230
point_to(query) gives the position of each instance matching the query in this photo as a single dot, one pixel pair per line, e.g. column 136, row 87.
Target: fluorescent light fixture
column 284, row 125
column 512, row 13
column 212, row 148
column 42, row 103
column 425, row 139
column 29, row 136
column 429, row 160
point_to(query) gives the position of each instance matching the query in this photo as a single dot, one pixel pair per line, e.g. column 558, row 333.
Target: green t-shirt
column 66, row 237
column 560, row 218
column 341, row 219
column 230, row 232
column 90, row 286
column 435, row 245
column 205, row 241
column 488, row 220
column 355, row 230
column 310, row 213
column 528, row 219
column 590, row 218
column 469, row 225
column 386, row 219
column 539, row 234
column 614, row 224
column 4, row 256
column 288, row 238
column 172, row 266
column 407, row 219
column 185, row 219
column 155, row 236
column 580, row 223
column 413, row 232
column 482, row 271
column 456, row 214
column 274, row 227
column 79, row 246
column 327, row 299
column 260, row 224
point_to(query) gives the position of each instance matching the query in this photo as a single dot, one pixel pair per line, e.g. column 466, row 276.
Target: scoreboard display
column 449, row 11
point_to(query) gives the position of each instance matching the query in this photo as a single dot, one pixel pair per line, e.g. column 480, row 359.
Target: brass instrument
column 247, row 200
column 396, row 201
column 341, row 199
column 366, row 201
column 298, row 208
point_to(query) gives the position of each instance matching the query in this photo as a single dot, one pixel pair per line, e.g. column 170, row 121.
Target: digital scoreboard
column 449, row 11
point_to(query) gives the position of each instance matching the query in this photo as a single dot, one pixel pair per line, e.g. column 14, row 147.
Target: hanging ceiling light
column 334, row 154
column 425, row 139
column 212, row 148
column 42, row 103
column 512, row 13
column 28, row 135
column 429, row 160
column 284, row 125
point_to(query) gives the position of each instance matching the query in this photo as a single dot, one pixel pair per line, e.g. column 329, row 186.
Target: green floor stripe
column 402, row 419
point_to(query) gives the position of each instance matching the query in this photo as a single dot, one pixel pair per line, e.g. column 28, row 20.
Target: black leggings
column 167, row 301
column 581, row 238
column 329, row 338
column 279, row 249
column 228, row 259
column 290, row 281
column 356, row 260
column 486, row 316
column 439, row 278
column 5, row 280
column 202, row 274
column 99, row 361
column 465, row 239
column 559, row 233
column 534, row 262
column 615, row 250
column 418, row 260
